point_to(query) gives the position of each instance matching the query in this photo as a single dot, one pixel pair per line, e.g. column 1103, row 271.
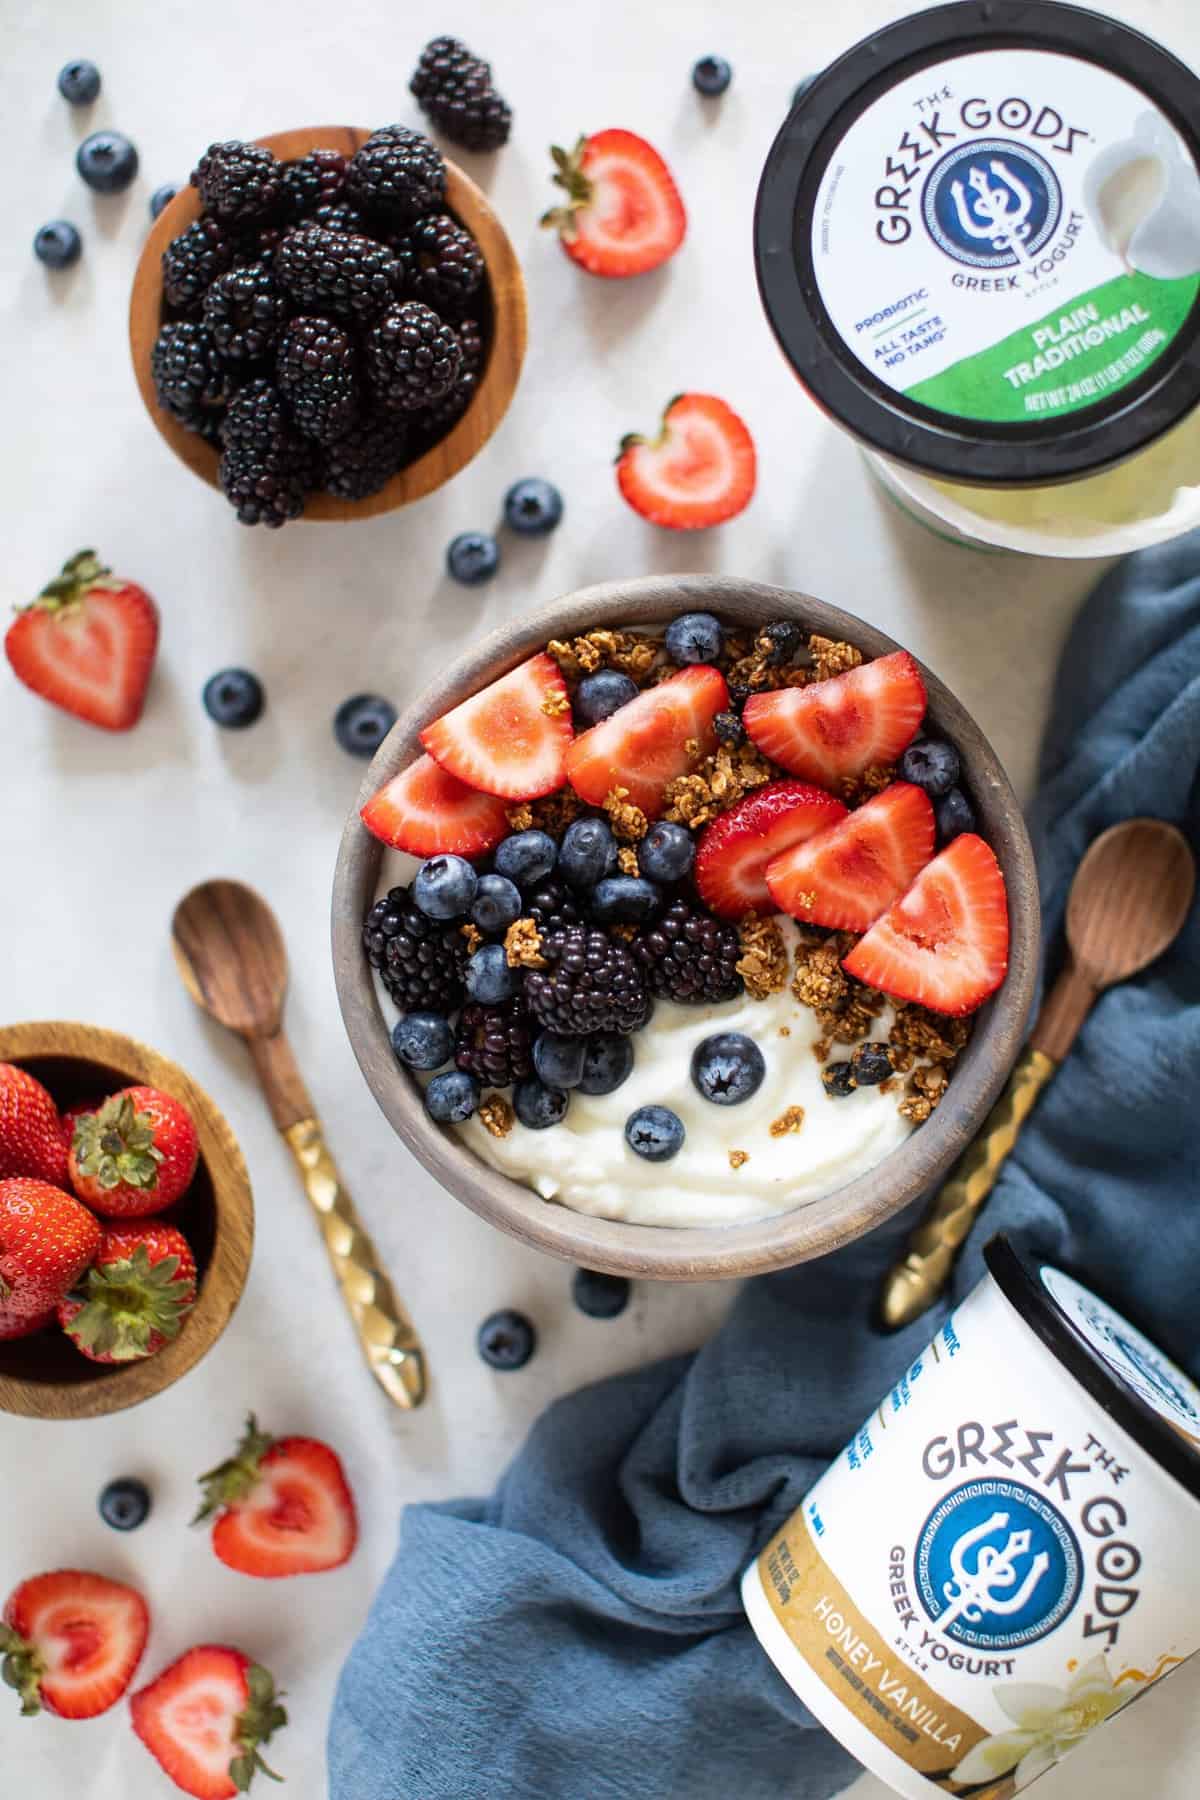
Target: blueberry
column 506, row 1340
column 654, row 1132
column 125, row 1504
column 954, row 814
column 694, row 638
column 930, row 765
column 161, row 198
column 233, row 698
column 58, row 244
column 667, row 852
column 423, row 1040
column 728, row 1068
column 444, row 887
column 729, row 729
column 624, row 900
column 537, row 1104
column 533, row 507
column 489, row 978
column 497, row 903
column 361, row 723
column 870, row 1064
column 79, row 82
column 473, row 557
column 607, row 1062
column 711, row 76
column 452, row 1098
column 600, row 1296
column 588, row 852
column 600, row 695
column 559, row 1060
column 784, row 639
column 107, row 162
column 838, row 1080
column 526, row 857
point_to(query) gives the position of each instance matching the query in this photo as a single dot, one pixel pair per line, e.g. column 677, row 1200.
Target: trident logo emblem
column 987, row 1588
column 996, row 215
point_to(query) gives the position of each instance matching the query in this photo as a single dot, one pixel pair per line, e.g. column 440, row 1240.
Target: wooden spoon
column 231, row 955
column 1128, row 902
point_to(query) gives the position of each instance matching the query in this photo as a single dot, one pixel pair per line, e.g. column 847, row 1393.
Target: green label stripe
column 1087, row 348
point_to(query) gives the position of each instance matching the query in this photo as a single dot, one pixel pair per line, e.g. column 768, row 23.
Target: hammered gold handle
column 386, row 1333
column 912, row 1286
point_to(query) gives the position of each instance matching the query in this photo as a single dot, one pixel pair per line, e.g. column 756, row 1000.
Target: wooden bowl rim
column 113, row 1389
column 486, row 411
column 689, row 1253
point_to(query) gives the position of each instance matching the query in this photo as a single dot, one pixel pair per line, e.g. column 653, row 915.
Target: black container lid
column 1093, row 434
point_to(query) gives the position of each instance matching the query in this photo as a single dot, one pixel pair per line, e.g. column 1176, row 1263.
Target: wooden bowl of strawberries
column 126, row 1221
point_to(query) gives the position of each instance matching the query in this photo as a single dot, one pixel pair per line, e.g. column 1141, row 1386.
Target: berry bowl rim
column 462, row 442
column 88, row 1055
column 667, row 1252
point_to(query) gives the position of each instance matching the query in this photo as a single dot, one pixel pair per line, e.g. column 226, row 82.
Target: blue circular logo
column 996, row 1565
column 992, row 204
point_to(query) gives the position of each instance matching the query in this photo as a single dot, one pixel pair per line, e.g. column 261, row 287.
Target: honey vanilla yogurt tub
column 1005, row 1554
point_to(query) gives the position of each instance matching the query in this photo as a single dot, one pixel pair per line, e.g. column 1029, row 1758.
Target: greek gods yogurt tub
column 1005, row 1554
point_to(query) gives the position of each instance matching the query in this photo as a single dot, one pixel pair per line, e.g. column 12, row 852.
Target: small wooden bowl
column 45, row 1377
column 675, row 1253
column 505, row 356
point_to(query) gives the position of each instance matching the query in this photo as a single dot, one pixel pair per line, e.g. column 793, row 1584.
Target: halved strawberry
column 944, row 943
column 733, row 852
column 510, row 738
column 623, row 214
column 204, row 1718
column 644, row 744
column 849, row 875
column 700, row 470
column 87, row 644
column 71, row 1642
column 283, row 1507
column 833, row 730
column 429, row 812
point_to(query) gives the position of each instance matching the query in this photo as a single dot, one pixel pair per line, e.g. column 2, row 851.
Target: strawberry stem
column 237, row 1476
column 116, row 1147
column 21, row 1668
column 80, row 573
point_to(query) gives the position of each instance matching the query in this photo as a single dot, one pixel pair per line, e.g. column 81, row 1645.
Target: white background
column 101, row 835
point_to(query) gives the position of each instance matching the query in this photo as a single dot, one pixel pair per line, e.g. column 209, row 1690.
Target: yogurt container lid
column 977, row 239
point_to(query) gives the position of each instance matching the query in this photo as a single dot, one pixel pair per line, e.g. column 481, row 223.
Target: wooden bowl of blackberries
column 327, row 323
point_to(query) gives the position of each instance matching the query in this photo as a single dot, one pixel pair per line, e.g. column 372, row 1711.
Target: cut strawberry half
column 700, row 470
column 204, row 1718
column 429, row 812
column 944, row 944
column 733, row 853
column 71, row 1642
column 848, row 876
column 623, row 214
column 832, row 730
column 510, row 738
column 644, row 745
column 87, row 644
column 283, row 1506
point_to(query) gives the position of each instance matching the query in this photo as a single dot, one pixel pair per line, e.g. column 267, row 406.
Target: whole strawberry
column 31, row 1135
column 135, row 1296
column 204, row 1718
column 283, row 1507
column 136, row 1155
column 71, row 1642
column 22, row 1324
column 47, row 1240
column 87, row 644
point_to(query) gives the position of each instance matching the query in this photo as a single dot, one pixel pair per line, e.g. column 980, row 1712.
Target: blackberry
column 245, row 311
column 238, row 182
column 192, row 261
column 592, row 983
column 689, row 956
column 187, row 371
column 266, row 469
column 366, row 457
column 311, row 181
column 442, row 263
column 398, row 174
column 413, row 357
column 435, row 421
column 422, row 961
column 257, row 420
column 315, row 368
column 495, row 1042
column 341, row 216
column 337, row 272
column 553, row 907
column 454, row 89
column 258, row 246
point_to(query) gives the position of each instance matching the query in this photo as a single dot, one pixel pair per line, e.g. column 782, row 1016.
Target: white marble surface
column 100, row 835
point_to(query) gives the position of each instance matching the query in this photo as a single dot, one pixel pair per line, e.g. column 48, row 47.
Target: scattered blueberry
column 930, row 765
column 838, row 1080
column 79, row 82
column 473, row 557
column 497, row 903
column 954, row 814
column 526, row 857
column 559, row 1060
column 667, row 852
column 161, row 198
column 599, row 696
column 537, row 1104
column 785, row 638
column 600, row 1296
column 533, row 507
column 729, row 729
column 694, row 638
column 233, row 698
column 423, row 1040
column 728, row 1068
column 870, row 1064
column 506, row 1340
column 452, row 1098
column 624, row 900
column 607, row 1062
column 125, row 1504
column 444, row 887
column 107, row 161
column 58, row 244
column 489, row 978
column 711, row 76
column 588, row 852
column 361, row 723
column 654, row 1132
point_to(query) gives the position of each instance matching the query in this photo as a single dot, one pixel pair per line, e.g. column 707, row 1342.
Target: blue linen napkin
column 579, row 1636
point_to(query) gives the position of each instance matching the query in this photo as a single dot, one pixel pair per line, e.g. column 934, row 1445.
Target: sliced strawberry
column 623, row 214
column 204, row 1718
column 733, row 853
column 832, row 730
column 510, row 738
column 71, row 1642
column 644, row 744
column 944, row 944
column 850, row 874
column 87, row 644
column 429, row 812
column 700, row 470
column 283, row 1506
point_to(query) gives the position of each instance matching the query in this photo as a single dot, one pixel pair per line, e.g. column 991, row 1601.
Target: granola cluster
column 633, row 653
column 552, row 813
column 523, row 945
column 763, row 964
column 496, row 1115
column 629, row 822
column 718, row 782
column 790, row 1120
